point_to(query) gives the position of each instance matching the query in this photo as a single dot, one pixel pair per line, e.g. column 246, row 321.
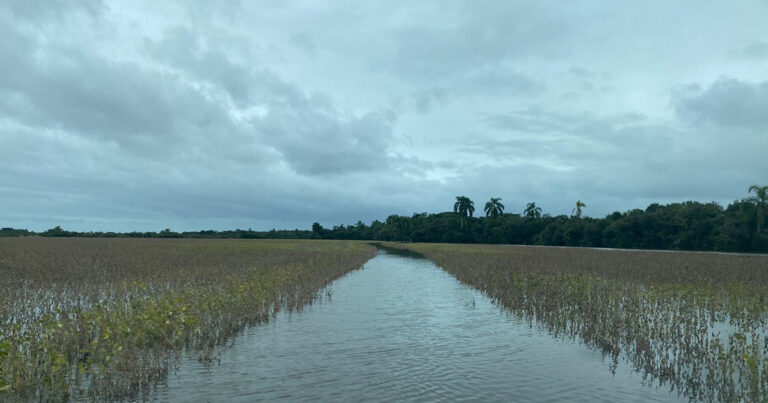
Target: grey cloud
column 224, row 115
column 537, row 120
column 617, row 156
column 304, row 42
column 184, row 49
column 79, row 181
column 307, row 130
column 70, row 89
column 24, row 10
column 425, row 99
column 501, row 82
column 728, row 102
column 479, row 35
column 755, row 50
column 488, row 83
column 628, row 179
column 587, row 81
column 140, row 108
column 315, row 143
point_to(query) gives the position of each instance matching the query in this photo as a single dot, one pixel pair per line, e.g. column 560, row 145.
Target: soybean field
column 696, row 323
column 99, row 319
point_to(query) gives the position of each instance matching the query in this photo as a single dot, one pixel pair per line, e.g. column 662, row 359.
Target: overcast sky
column 142, row 115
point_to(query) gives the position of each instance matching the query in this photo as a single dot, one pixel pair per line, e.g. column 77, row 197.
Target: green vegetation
column 576, row 212
column 739, row 227
column 494, row 207
column 695, row 322
column 103, row 318
column 761, row 201
column 464, row 207
column 531, row 211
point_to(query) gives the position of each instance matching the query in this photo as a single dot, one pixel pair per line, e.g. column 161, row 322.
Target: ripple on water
column 403, row 329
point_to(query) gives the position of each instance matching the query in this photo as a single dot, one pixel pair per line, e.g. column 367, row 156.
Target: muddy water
column 404, row 330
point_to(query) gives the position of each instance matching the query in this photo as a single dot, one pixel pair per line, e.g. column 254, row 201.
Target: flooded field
column 403, row 329
column 198, row 320
column 101, row 319
column 693, row 322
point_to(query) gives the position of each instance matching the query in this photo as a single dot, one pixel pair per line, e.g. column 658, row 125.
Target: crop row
column 696, row 323
column 101, row 319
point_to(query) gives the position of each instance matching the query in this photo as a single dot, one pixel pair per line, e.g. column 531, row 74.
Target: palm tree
column 577, row 210
column 494, row 208
column 531, row 211
column 761, row 200
column 464, row 206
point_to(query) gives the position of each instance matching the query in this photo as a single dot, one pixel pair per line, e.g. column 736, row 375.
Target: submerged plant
column 105, row 318
column 695, row 322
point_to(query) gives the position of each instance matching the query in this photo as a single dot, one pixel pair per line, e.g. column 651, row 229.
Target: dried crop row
column 695, row 322
column 104, row 318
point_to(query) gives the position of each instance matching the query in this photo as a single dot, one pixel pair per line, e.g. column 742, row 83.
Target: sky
column 189, row 115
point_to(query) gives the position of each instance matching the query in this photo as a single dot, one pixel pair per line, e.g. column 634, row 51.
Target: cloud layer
column 144, row 115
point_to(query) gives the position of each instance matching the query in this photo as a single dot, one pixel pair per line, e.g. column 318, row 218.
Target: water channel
column 402, row 329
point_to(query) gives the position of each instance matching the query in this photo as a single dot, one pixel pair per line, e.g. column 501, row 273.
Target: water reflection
column 403, row 329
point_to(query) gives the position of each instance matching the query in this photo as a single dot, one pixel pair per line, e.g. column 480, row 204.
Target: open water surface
column 402, row 329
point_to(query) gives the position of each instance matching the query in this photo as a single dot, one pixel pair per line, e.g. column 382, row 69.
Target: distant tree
column 577, row 209
column 400, row 226
column 531, row 211
column 8, row 231
column 494, row 207
column 317, row 230
column 55, row 231
column 465, row 207
column 761, row 200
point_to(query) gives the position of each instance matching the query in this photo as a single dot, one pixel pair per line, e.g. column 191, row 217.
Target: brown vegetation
column 102, row 318
column 696, row 322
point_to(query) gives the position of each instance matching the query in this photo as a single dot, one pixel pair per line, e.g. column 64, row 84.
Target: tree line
column 690, row 225
column 738, row 227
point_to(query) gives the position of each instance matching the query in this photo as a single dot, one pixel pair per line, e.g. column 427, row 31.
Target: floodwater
column 402, row 329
